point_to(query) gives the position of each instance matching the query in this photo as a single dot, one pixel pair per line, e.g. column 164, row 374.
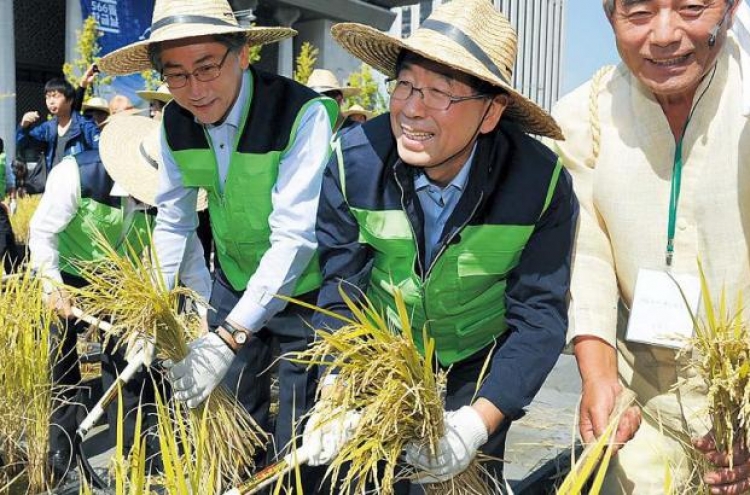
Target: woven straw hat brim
column 134, row 57
column 381, row 51
column 366, row 113
column 154, row 95
column 121, row 146
column 100, row 105
column 346, row 91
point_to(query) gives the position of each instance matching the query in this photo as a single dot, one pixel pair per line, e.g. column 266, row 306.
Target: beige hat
column 322, row 81
column 162, row 94
column 358, row 110
column 179, row 19
column 470, row 36
column 125, row 113
column 130, row 150
column 96, row 103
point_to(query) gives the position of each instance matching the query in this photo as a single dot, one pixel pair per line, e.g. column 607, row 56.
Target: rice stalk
column 130, row 292
column 397, row 391
column 20, row 220
column 25, row 377
column 721, row 343
column 595, row 458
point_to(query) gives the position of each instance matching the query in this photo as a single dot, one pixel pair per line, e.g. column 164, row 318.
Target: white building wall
column 540, row 28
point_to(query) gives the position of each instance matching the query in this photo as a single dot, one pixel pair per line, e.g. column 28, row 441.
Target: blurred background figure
column 354, row 116
column 120, row 103
column 325, row 82
column 96, row 109
column 156, row 100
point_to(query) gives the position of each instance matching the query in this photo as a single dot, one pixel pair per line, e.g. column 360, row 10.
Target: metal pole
column 7, row 80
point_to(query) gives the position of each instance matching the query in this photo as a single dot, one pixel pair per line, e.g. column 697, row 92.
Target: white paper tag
column 659, row 315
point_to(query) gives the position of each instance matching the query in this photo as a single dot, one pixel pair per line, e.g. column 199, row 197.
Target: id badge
column 659, row 314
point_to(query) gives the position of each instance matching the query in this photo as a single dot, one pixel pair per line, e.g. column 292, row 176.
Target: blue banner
column 121, row 22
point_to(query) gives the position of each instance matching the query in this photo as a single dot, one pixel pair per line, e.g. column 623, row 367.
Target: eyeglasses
column 432, row 98
column 205, row 73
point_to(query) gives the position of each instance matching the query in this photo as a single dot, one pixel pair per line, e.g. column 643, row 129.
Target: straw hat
column 96, row 103
column 466, row 35
column 323, row 81
column 130, row 150
column 358, row 110
column 162, row 94
column 125, row 113
column 179, row 19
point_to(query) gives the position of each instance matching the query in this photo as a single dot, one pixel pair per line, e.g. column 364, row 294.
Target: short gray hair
column 609, row 6
column 232, row 41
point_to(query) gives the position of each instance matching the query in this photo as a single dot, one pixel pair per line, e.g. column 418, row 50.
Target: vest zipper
column 447, row 242
column 413, row 232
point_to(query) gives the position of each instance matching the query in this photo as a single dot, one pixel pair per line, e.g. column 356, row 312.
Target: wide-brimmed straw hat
column 96, row 103
column 323, row 81
column 162, row 94
column 180, row 19
column 469, row 36
column 358, row 110
column 130, row 150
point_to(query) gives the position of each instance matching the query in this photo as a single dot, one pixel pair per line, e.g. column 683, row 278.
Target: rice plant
column 130, row 291
column 20, row 220
column 25, row 378
column 721, row 343
column 397, row 391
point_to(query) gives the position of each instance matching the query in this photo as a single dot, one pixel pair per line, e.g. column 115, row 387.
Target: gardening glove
column 465, row 432
column 327, row 432
column 137, row 344
column 195, row 377
column 59, row 300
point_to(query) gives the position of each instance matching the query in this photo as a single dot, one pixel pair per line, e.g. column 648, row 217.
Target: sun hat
column 96, row 103
column 130, row 150
column 358, row 110
column 162, row 94
column 180, row 19
column 323, row 81
column 469, row 36
column 125, row 113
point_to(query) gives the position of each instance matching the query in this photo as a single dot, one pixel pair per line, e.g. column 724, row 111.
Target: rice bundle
column 722, row 344
column 25, row 378
column 127, row 290
column 398, row 393
column 21, row 219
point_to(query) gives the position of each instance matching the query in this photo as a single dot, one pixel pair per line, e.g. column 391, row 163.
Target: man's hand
column 29, row 118
column 723, row 480
column 59, row 301
column 327, row 432
column 195, row 377
column 598, row 400
column 89, row 76
column 465, row 432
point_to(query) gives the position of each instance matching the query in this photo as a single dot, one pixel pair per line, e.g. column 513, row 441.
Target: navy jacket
column 83, row 135
column 506, row 173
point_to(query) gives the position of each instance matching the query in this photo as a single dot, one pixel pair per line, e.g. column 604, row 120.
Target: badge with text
column 659, row 315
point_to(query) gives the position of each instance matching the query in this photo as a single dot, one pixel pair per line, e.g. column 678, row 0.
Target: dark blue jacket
column 83, row 135
column 507, row 185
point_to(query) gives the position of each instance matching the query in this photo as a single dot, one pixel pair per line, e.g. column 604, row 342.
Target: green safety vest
column 461, row 301
column 239, row 215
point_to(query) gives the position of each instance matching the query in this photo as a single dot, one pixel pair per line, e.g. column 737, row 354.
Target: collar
column 234, row 116
column 459, row 181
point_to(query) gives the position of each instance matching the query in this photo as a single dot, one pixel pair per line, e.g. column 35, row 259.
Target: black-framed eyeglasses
column 432, row 98
column 205, row 73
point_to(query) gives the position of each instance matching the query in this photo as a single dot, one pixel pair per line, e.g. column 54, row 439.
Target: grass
column 129, row 291
column 397, row 391
column 25, row 378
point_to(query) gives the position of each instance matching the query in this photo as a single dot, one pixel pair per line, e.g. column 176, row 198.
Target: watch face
column 239, row 337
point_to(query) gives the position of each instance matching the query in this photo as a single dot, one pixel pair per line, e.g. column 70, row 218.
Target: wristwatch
column 238, row 335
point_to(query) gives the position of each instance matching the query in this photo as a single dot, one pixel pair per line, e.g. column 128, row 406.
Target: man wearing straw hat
column 324, row 82
column 82, row 200
column 659, row 151
column 449, row 200
column 156, row 100
column 257, row 143
column 96, row 109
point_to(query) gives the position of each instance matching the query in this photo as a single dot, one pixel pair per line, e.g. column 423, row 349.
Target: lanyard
column 674, row 197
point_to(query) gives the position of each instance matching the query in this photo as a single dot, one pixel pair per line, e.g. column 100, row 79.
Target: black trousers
column 66, row 379
column 249, row 377
column 8, row 249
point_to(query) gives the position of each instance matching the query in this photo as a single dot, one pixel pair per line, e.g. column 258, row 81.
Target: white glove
column 195, row 377
column 325, row 435
column 465, row 432
column 137, row 344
